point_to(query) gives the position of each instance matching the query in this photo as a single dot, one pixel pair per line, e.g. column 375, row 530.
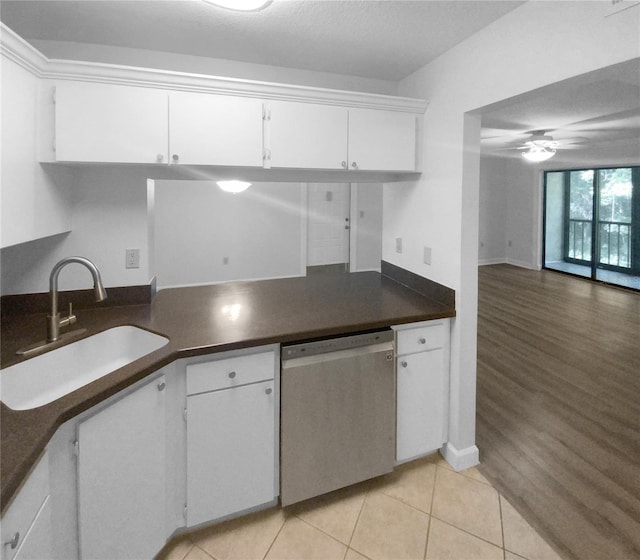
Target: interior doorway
column 328, row 228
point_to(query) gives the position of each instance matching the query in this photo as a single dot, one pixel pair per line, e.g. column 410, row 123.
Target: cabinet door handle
column 232, row 374
column 344, row 164
column 14, row 540
column 422, row 340
column 159, row 157
column 175, row 157
column 403, row 363
column 161, row 386
column 268, row 390
column 354, row 165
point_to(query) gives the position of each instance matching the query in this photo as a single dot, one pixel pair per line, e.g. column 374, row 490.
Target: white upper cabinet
column 306, row 135
column 382, row 140
column 110, row 123
column 313, row 136
column 207, row 129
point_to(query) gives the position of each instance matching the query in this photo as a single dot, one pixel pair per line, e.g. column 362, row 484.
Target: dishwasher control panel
column 335, row 344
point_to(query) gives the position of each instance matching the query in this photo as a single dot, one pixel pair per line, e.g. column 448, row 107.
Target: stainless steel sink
column 48, row 377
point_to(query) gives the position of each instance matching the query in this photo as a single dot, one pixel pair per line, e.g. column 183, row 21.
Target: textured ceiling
column 381, row 39
column 595, row 108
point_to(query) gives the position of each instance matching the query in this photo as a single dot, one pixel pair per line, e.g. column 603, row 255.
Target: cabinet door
column 26, row 525
column 110, row 123
column 121, row 477
column 421, row 395
column 37, row 543
column 210, row 129
column 306, row 135
column 382, row 140
column 230, row 451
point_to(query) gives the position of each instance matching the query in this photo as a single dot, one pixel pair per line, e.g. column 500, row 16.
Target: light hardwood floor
column 558, row 411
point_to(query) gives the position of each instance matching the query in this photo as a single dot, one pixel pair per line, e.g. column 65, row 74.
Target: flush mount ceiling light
column 540, row 147
column 240, row 5
column 233, row 186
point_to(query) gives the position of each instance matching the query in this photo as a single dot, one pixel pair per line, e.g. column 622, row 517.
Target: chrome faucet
column 54, row 321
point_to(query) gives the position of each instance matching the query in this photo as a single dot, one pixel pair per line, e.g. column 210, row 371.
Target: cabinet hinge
column 266, row 155
column 76, row 448
column 266, row 113
column 54, row 144
column 184, row 512
column 54, row 96
column 184, row 414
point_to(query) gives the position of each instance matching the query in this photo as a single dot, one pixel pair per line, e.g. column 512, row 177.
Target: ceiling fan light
column 240, row 5
column 536, row 154
column 233, row 186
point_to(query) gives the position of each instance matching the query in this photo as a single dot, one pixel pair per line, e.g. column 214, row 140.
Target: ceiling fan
column 540, row 146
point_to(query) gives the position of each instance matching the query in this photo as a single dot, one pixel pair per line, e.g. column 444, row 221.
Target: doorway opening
column 328, row 228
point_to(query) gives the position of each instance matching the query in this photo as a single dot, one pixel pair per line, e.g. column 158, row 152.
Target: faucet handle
column 71, row 318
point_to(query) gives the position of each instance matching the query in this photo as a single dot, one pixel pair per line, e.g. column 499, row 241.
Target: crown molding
column 21, row 52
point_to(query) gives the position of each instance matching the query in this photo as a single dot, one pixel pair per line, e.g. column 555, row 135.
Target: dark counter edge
column 132, row 373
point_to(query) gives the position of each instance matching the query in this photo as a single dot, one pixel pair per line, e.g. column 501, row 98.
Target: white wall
column 211, row 66
column 509, row 213
column 197, row 225
column 34, row 198
column 492, row 220
column 441, row 209
column 109, row 215
column 367, row 215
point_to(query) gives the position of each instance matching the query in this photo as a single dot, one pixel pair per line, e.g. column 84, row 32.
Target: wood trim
column 17, row 49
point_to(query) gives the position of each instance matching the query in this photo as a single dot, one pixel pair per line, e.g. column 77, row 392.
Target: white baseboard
column 460, row 459
column 485, row 262
column 521, row 264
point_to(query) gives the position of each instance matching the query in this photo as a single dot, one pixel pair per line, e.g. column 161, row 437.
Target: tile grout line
column 504, row 544
column 277, row 534
column 433, row 497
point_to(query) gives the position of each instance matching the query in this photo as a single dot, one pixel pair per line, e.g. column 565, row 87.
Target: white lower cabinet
column 121, row 477
column 422, row 388
column 232, row 408
column 26, row 525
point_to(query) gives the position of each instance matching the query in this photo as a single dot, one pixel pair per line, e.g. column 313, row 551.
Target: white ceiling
column 593, row 109
column 381, row 39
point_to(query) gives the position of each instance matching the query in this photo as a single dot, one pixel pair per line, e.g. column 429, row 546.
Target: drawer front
column 420, row 339
column 230, row 372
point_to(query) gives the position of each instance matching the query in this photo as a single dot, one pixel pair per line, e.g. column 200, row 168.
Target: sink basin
column 48, row 377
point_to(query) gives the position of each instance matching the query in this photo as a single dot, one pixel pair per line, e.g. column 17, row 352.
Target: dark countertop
column 202, row 320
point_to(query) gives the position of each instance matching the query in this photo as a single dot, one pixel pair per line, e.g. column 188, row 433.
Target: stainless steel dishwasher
column 337, row 414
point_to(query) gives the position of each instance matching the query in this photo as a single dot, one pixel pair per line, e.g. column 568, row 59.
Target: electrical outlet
column 427, row 255
column 132, row 258
column 398, row 244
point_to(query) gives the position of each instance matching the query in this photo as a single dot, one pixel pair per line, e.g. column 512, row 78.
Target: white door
column 111, row 124
column 420, row 394
column 307, row 135
column 122, row 477
column 382, row 140
column 210, row 129
column 328, row 223
column 230, row 451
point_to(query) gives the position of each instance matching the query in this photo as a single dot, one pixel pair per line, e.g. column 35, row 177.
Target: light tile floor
column 423, row 511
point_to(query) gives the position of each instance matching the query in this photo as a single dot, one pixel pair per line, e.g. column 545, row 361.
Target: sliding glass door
column 592, row 224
